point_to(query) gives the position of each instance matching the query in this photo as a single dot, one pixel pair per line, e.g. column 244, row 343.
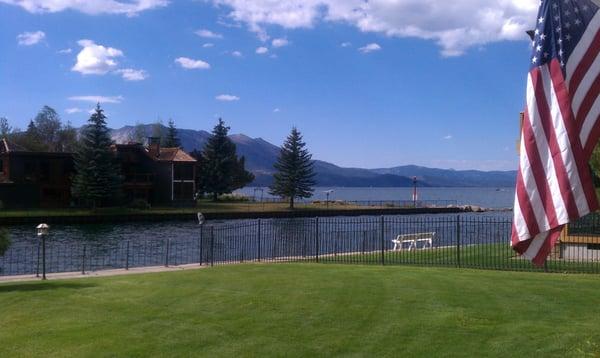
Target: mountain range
column 261, row 155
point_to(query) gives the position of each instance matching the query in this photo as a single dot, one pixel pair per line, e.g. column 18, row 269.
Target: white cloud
column 227, row 98
column 97, row 99
column 276, row 110
column 129, row 74
column 207, row 34
column 262, row 50
column 30, row 38
column 73, row 110
column 236, row 54
column 191, row 64
column 208, row 45
column 448, row 137
column 454, row 25
column 370, row 48
column 280, row 42
column 96, row 59
column 345, row 44
column 65, row 51
column 90, row 7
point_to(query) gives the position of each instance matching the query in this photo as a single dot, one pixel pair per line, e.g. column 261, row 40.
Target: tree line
column 97, row 181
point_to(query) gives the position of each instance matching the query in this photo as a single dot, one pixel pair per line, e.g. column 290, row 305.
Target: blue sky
column 397, row 82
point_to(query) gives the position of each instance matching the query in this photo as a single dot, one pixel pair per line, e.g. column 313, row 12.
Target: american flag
column 560, row 129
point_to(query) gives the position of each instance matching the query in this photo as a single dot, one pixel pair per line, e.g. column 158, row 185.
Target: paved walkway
column 102, row 273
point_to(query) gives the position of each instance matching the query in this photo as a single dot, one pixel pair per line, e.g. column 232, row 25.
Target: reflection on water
column 97, row 247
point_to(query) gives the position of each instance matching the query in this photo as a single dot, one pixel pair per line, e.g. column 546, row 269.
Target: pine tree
column 221, row 172
column 295, row 173
column 172, row 141
column 97, row 180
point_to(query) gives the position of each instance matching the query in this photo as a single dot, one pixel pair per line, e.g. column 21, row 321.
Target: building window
column 183, row 172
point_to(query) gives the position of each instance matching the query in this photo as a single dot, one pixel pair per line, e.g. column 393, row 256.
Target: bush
column 1, row 205
column 139, row 204
column 4, row 241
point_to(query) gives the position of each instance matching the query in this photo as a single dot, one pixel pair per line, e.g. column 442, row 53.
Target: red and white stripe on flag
column 560, row 131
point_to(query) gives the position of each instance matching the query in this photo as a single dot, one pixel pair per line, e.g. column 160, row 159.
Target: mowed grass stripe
column 304, row 310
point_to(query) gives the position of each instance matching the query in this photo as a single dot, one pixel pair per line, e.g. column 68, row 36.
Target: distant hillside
column 261, row 155
column 454, row 178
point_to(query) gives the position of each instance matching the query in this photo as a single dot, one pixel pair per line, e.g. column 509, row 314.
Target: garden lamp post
column 327, row 193
column 42, row 231
column 415, row 194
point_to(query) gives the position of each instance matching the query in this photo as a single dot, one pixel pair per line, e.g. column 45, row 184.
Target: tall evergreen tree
column 97, row 181
column 172, row 140
column 295, row 173
column 221, row 171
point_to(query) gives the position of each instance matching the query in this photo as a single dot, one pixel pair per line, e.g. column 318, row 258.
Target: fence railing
column 480, row 242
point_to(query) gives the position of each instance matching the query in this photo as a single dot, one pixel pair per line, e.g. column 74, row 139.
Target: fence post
column 382, row 240
column 212, row 246
column 200, row 245
column 167, row 254
column 83, row 260
column 37, row 267
column 458, row 264
column 127, row 257
column 364, row 238
column 317, row 238
column 43, row 257
column 258, row 235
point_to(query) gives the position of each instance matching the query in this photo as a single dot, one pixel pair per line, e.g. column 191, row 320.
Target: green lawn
column 484, row 256
column 305, row 310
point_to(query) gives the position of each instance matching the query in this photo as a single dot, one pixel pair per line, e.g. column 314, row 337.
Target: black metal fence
column 480, row 242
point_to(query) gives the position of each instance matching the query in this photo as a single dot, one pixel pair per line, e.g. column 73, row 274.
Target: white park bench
column 426, row 238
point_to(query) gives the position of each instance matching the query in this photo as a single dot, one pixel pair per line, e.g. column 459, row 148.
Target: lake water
column 496, row 198
column 96, row 247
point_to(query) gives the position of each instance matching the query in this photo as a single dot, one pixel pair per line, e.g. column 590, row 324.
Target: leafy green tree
column 5, row 128
column 295, row 173
column 30, row 139
column 48, row 125
column 97, row 181
column 172, row 140
column 44, row 133
column 67, row 139
column 221, row 171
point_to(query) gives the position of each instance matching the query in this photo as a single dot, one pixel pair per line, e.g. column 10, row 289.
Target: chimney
column 154, row 146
